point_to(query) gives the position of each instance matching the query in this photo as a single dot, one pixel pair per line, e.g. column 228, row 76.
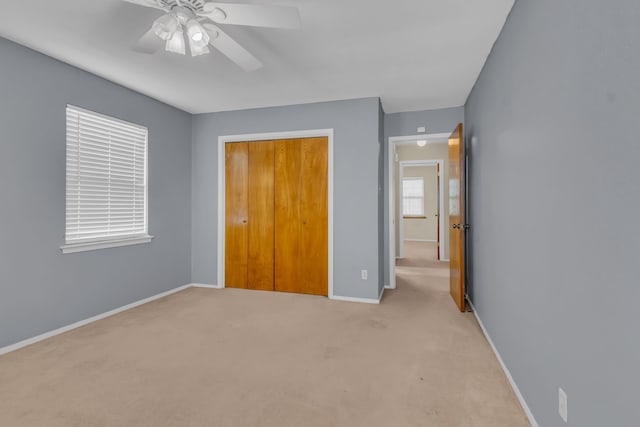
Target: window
column 106, row 190
column 412, row 197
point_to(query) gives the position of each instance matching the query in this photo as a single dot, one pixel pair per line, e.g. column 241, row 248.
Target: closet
column 276, row 226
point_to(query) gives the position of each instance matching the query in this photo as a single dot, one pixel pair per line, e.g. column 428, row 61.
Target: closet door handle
column 304, row 222
column 244, row 221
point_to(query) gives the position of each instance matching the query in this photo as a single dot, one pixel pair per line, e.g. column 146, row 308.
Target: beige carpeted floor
column 206, row 357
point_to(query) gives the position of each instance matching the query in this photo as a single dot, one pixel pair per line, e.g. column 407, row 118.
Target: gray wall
column 356, row 127
column 404, row 124
column 554, row 276
column 381, row 179
column 40, row 288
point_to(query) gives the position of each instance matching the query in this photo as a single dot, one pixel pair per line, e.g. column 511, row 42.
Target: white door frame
column 222, row 140
column 424, row 163
column 434, row 137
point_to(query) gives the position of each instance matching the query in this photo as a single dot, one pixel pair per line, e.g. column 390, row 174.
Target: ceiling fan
column 199, row 19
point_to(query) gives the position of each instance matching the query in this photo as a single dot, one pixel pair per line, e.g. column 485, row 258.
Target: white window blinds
column 106, row 196
column 413, row 197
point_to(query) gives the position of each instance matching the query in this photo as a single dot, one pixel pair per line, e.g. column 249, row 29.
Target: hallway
column 458, row 353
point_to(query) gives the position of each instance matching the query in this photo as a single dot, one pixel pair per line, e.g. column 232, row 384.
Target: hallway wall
column 554, row 274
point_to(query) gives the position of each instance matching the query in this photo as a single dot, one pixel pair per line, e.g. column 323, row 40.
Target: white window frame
column 104, row 242
column 422, row 210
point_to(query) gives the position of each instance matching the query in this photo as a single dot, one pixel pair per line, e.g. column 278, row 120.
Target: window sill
column 92, row 246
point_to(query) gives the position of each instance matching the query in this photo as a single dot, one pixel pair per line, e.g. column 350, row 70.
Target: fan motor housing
column 194, row 5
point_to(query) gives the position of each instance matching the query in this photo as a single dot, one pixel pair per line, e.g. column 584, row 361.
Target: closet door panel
column 314, row 212
column 301, row 237
column 261, row 215
column 236, row 214
column 288, row 221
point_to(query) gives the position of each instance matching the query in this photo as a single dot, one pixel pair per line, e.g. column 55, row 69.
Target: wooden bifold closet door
column 276, row 235
column 301, row 216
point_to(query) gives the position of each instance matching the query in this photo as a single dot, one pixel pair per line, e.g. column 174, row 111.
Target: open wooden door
column 439, row 208
column 456, row 216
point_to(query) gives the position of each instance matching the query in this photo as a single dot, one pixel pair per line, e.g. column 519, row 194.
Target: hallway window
column 412, row 196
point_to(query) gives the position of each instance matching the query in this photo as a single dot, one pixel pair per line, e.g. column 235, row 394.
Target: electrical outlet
column 422, row 129
column 562, row 404
column 364, row 274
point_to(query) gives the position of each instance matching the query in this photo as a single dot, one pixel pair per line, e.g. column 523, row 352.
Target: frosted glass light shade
column 197, row 49
column 176, row 43
column 197, row 34
column 165, row 26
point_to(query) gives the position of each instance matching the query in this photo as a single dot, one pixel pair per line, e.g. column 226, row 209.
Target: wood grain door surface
column 261, row 215
column 456, row 216
column 236, row 214
column 301, row 237
column 276, row 226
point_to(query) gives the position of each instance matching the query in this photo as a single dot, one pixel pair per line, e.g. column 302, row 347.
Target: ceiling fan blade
column 232, row 49
column 149, row 43
column 253, row 15
column 147, row 3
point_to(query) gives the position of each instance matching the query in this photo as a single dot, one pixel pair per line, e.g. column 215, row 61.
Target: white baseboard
column 420, row 240
column 200, row 285
column 514, row 386
column 41, row 337
column 381, row 294
column 352, row 299
column 445, row 259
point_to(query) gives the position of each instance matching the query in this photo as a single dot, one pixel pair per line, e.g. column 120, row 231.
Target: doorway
column 420, row 204
column 413, row 151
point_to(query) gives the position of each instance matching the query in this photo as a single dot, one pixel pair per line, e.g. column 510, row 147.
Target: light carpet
column 205, row 357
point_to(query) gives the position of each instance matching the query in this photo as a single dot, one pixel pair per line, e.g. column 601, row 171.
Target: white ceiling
column 414, row 54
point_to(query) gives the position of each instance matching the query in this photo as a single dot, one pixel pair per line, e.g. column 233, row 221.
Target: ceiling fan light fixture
column 197, row 34
column 165, row 26
column 421, row 142
column 176, row 43
column 197, row 50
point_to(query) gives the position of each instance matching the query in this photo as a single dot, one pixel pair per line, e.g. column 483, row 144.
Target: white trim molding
column 392, row 142
column 270, row 136
column 92, row 246
column 200, row 285
column 359, row 300
column 512, row 382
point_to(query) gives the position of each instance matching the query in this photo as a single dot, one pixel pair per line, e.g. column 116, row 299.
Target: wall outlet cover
column 364, row 274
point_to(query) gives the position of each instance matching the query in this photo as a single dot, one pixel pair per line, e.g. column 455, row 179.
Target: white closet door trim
column 222, row 140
